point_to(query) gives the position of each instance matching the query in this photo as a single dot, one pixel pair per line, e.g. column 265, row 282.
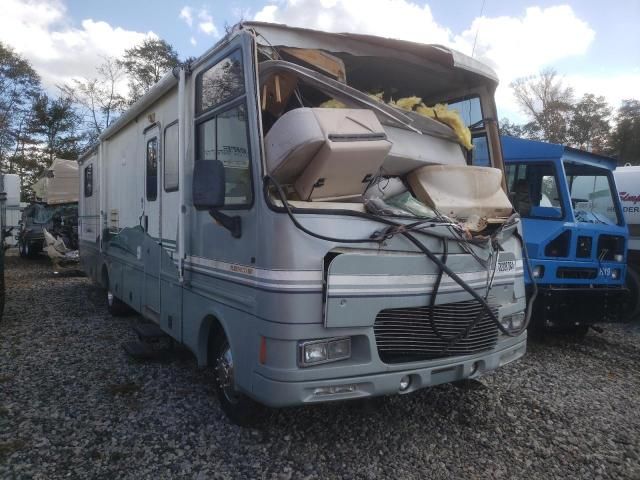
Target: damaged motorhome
column 299, row 209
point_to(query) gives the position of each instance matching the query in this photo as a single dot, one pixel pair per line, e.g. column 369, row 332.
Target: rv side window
column 171, row 158
column 88, row 181
column 152, row 169
column 224, row 137
column 222, row 82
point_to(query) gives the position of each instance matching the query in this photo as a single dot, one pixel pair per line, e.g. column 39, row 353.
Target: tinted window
column 480, row 152
column 220, row 83
column 88, row 181
column 171, row 158
column 534, row 189
column 152, row 169
column 469, row 110
column 224, row 137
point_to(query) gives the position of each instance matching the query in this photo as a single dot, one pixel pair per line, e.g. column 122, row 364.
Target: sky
column 594, row 45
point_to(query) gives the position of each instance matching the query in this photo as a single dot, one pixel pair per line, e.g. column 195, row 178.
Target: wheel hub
column 225, row 375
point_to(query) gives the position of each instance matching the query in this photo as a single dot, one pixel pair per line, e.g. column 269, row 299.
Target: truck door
column 150, row 222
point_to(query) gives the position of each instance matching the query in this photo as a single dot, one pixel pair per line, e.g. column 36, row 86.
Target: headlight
column 615, row 273
column 315, row 352
column 538, row 271
column 513, row 322
column 618, row 257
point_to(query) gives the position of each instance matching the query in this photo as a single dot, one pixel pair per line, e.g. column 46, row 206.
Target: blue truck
column 574, row 230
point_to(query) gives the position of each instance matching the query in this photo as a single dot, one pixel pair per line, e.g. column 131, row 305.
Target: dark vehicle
column 3, row 197
column 59, row 220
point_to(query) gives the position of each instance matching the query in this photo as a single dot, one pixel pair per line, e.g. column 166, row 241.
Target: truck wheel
column 115, row 306
column 239, row 408
column 631, row 305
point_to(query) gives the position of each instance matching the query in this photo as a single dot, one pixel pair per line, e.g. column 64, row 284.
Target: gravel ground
column 73, row 405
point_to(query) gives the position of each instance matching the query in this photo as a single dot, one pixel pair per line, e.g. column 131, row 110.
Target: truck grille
column 577, row 273
column 406, row 334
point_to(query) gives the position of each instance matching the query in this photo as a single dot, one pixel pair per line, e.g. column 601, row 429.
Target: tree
column 528, row 130
column 97, row 98
column 57, row 124
column 625, row 138
column 547, row 103
column 589, row 128
column 146, row 64
column 19, row 85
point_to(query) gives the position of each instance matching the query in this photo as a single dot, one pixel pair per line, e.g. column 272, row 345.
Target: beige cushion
column 326, row 153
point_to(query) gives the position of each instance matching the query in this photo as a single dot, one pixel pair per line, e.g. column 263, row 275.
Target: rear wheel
column 239, row 408
column 115, row 306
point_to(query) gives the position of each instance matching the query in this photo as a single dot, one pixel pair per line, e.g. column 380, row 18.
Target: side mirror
column 209, row 192
column 208, row 184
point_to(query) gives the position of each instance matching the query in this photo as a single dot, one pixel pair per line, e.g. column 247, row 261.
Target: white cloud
column 514, row 46
column 186, row 14
column 615, row 87
column 206, row 24
column 193, row 42
column 386, row 18
column 41, row 31
column 518, row 46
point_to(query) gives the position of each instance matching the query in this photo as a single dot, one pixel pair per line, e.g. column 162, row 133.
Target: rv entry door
column 150, row 222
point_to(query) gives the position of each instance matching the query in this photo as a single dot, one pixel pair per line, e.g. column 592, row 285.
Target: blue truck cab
column 574, row 231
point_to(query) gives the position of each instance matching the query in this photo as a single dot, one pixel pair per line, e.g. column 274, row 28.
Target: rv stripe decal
column 311, row 280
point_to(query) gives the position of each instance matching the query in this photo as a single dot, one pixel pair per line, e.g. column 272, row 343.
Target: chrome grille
column 406, row 334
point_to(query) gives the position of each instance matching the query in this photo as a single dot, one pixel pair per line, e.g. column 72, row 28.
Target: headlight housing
column 315, row 352
column 513, row 322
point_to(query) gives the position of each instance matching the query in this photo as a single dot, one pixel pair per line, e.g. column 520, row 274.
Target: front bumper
column 276, row 393
column 559, row 307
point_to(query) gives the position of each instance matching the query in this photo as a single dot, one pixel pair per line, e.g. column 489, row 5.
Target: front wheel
column 239, row 408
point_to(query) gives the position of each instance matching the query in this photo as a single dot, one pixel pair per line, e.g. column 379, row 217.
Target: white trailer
column 13, row 208
column 628, row 183
column 232, row 207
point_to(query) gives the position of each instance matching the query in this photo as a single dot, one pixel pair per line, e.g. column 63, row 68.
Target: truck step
column 140, row 351
column 148, row 331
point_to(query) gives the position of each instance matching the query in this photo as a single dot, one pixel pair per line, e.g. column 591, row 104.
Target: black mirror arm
column 233, row 224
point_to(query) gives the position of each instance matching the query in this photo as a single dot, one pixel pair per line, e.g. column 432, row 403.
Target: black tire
column 579, row 331
column 115, row 306
column 630, row 309
column 239, row 408
column 31, row 250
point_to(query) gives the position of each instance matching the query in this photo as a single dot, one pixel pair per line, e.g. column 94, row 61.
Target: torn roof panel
column 272, row 34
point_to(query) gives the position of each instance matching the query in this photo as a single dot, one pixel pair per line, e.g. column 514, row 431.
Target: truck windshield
column 534, row 187
column 592, row 197
column 470, row 111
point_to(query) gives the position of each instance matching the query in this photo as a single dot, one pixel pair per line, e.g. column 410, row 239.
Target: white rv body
column 246, row 274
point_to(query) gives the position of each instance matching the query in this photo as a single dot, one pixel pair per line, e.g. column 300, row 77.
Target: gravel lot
column 73, row 405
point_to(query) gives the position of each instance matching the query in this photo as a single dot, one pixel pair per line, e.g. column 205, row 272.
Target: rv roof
column 272, row 34
column 456, row 69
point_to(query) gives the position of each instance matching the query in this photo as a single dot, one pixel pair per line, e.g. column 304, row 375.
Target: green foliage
column 589, row 127
column 625, row 136
column 548, row 103
column 97, row 99
column 555, row 116
column 146, row 64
